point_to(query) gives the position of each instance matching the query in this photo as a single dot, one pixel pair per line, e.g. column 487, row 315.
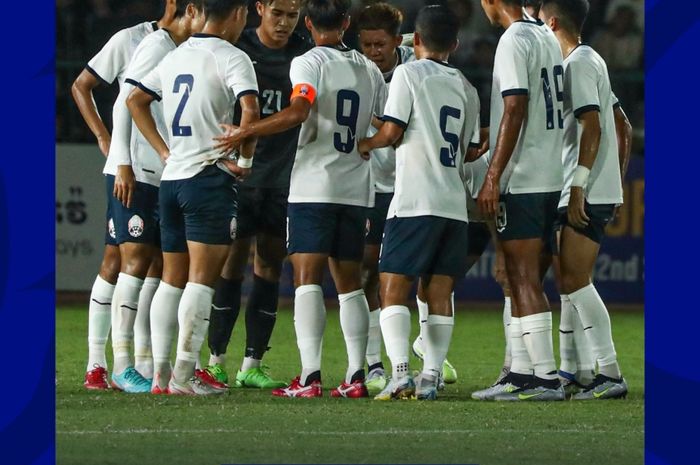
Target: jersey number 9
column 347, row 109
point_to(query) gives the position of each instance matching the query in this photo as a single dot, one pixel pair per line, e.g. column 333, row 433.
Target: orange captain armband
column 304, row 91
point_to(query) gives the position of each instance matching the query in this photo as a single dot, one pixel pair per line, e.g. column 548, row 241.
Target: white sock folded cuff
column 345, row 297
column 200, row 288
column 441, row 320
column 536, row 323
column 307, row 288
column 392, row 310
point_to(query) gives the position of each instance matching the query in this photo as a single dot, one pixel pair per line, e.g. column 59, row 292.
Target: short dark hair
column 572, row 13
column 220, row 9
column 181, row 6
column 380, row 16
column 437, row 26
column 327, row 15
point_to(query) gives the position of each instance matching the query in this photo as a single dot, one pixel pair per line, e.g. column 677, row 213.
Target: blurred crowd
column 615, row 28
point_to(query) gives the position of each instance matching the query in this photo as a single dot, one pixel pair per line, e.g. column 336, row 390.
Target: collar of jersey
column 201, row 35
column 443, row 63
column 340, row 48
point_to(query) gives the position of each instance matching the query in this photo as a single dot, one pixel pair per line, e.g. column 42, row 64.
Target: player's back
column 529, row 62
column 587, row 88
column 200, row 82
column 442, row 120
column 328, row 168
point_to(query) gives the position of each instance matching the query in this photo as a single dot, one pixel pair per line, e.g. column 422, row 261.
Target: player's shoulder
column 156, row 41
column 585, row 57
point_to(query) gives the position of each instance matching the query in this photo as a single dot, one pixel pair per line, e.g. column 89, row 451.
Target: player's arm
column 82, row 94
column 250, row 113
column 120, row 150
column 139, row 103
column 514, row 111
column 623, row 129
column 588, row 150
column 389, row 134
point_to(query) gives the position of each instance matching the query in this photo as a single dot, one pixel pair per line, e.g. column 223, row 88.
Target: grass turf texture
column 250, row 426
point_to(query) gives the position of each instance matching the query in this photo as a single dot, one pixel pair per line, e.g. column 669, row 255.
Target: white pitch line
column 337, row 433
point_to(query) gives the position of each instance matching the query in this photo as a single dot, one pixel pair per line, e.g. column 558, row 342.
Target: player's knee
column 111, row 264
column 572, row 282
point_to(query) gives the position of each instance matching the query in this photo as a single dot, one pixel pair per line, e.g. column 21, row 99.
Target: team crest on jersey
column 501, row 217
column 304, row 90
column 110, row 229
column 135, row 226
column 233, row 228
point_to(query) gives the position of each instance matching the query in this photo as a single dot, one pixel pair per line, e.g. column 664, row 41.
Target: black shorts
column 479, row 238
column 261, row 211
column 599, row 217
column 200, row 209
column 424, row 245
column 327, row 228
column 376, row 218
column 138, row 223
column 110, row 231
column 528, row 216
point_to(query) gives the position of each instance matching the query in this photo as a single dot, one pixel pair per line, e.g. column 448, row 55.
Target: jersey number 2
column 548, row 101
column 448, row 155
column 347, row 109
column 188, row 81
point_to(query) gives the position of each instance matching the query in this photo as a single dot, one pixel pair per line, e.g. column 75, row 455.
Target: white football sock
column 163, row 328
column 596, row 324
column 309, row 324
column 124, row 308
column 395, row 321
column 585, row 358
column 99, row 322
column 354, row 321
column 521, row 362
column 249, row 362
column 142, row 329
column 193, row 318
column 438, row 334
column 507, row 310
column 220, row 359
column 374, row 339
column 537, row 336
column 422, row 321
column 567, row 343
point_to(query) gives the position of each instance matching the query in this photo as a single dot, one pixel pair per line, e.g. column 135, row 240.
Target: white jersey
column 587, row 88
column 111, row 62
column 439, row 110
column 529, row 62
column 199, row 82
column 349, row 89
column 129, row 146
column 383, row 161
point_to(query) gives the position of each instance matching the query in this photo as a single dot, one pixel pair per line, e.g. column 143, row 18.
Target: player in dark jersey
column 262, row 202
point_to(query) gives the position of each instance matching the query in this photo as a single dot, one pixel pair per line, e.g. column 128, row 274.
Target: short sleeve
column 584, row 87
column 615, row 101
column 240, row 75
column 399, row 104
column 380, row 93
column 112, row 59
column 510, row 65
column 476, row 135
column 152, row 83
column 303, row 71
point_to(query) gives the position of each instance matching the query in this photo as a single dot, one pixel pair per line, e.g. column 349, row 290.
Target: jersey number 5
column 188, row 81
column 448, row 155
column 548, row 101
column 347, row 109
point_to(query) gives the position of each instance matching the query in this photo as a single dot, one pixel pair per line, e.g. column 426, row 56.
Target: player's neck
column 568, row 41
column 329, row 38
column 430, row 55
column 267, row 41
column 510, row 14
column 178, row 32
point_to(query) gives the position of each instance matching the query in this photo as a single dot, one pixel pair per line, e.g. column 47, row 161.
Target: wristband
column 580, row 177
column 244, row 162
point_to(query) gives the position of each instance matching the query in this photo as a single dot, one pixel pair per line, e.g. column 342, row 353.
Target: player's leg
column 345, row 264
column 143, row 353
column 579, row 250
column 261, row 311
column 310, row 229
column 501, row 277
column 99, row 310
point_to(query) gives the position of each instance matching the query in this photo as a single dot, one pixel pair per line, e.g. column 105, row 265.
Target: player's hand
column 364, row 147
column 488, row 197
column 576, row 214
column 484, row 146
column 230, row 140
column 104, row 142
column 240, row 173
column 124, row 185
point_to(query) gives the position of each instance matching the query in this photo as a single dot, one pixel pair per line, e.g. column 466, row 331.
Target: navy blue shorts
column 599, row 217
column 424, row 245
column 479, row 238
column 110, row 231
column 376, row 218
column 140, row 222
column 200, row 209
column 528, row 216
column 328, row 228
column 261, row 210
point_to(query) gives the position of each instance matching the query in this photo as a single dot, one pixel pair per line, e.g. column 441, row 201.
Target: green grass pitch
column 252, row 427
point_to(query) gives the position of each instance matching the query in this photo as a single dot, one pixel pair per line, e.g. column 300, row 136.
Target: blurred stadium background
column 615, row 28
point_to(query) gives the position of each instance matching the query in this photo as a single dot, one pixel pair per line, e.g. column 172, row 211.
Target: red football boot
column 96, row 379
column 353, row 390
column 295, row 389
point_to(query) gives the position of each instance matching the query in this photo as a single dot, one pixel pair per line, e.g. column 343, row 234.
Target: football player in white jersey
column 435, row 111
column 523, row 186
column 199, row 82
column 135, row 209
column 335, row 92
column 106, row 67
column 593, row 172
